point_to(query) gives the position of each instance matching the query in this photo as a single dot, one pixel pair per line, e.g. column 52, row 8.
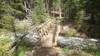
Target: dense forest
column 16, row 16
column 84, row 14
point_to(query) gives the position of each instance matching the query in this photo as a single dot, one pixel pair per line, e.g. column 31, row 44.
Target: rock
column 76, row 42
column 31, row 39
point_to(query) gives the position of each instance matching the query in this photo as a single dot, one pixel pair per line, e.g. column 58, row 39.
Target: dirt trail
column 48, row 51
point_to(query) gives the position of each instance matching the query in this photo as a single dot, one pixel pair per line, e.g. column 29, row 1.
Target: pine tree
column 39, row 11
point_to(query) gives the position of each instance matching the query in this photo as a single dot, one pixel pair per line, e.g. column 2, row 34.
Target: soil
column 48, row 51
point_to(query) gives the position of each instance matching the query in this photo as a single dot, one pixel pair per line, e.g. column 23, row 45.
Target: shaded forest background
column 82, row 14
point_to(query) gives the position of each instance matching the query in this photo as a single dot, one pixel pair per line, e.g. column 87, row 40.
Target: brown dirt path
column 48, row 51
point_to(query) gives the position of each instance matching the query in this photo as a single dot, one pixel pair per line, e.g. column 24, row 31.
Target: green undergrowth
column 5, row 42
column 95, row 52
column 84, row 52
column 20, row 51
column 65, row 50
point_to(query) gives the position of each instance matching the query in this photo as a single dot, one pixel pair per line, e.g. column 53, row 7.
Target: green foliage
column 73, row 52
column 95, row 52
column 65, row 50
column 7, row 22
column 21, row 51
column 22, row 26
column 39, row 12
column 5, row 43
column 18, row 8
column 71, row 32
column 56, row 4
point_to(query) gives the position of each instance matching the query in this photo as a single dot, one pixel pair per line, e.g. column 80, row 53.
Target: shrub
column 5, row 41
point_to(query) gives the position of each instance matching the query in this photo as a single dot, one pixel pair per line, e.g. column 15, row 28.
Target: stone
column 76, row 42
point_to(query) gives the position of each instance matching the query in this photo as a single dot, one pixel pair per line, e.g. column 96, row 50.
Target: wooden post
column 56, row 33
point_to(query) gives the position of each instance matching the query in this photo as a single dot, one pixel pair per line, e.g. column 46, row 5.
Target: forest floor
column 46, row 51
column 56, row 51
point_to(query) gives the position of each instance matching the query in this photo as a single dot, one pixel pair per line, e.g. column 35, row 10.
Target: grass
column 21, row 51
column 65, row 49
column 95, row 52
column 84, row 52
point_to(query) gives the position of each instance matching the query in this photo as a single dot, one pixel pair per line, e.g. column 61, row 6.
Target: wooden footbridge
column 47, row 32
